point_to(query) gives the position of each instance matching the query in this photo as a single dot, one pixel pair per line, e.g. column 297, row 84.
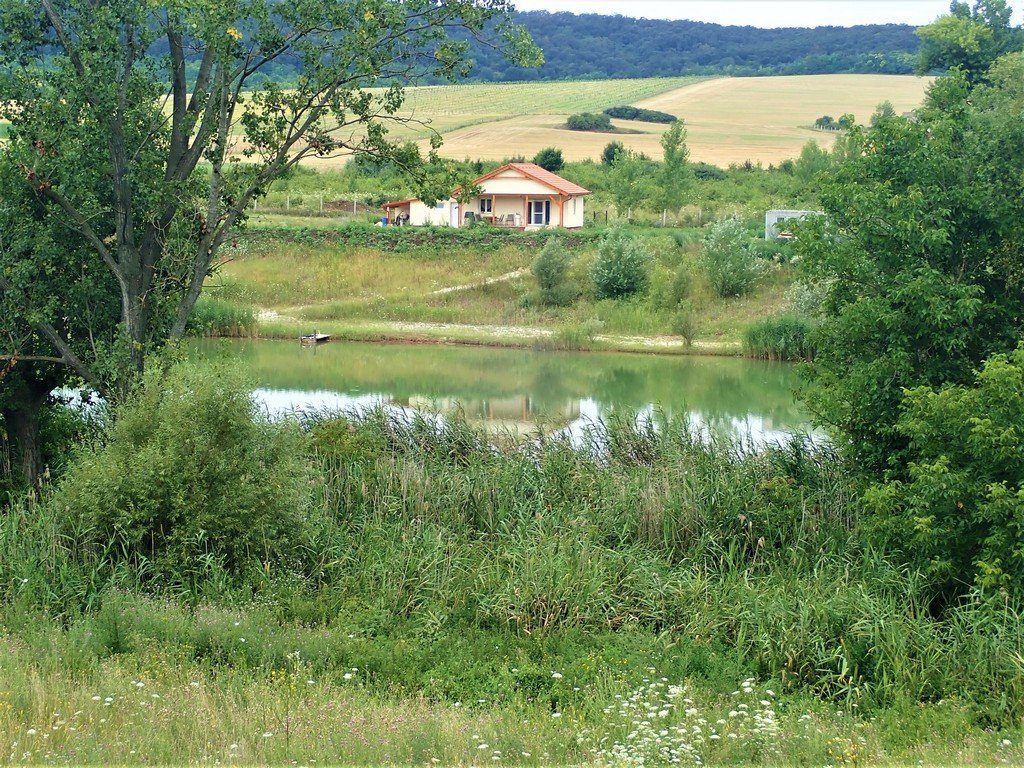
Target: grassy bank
column 364, row 283
column 407, row 591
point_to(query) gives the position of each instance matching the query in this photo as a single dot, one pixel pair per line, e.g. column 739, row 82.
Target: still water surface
column 516, row 389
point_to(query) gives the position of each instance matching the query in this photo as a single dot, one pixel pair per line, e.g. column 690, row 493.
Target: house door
column 455, row 214
column 540, row 212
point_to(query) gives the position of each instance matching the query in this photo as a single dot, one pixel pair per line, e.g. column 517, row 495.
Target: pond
column 518, row 390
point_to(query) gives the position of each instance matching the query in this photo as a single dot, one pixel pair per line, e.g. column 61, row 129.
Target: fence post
column 321, row 203
column 288, row 202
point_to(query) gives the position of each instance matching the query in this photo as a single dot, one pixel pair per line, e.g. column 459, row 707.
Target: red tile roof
column 535, row 172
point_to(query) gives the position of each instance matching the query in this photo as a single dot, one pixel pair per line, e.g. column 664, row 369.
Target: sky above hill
column 765, row 13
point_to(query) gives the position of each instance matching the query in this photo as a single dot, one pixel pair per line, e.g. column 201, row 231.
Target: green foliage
column 920, row 220
column 445, row 565
column 589, row 121
column 643, row 115
column 730, row 266
column 884, row 111
column 969, row 40
column 622, row 266
column 611, row 152
column 669, row 287
column 684, row 322
column 188, row 475
column 550, row 159
column 813, row 161
column 551, row 270
column 674, row 177
column 958, row 514
column 785, row 337
column 708, row 172
column 630, row 181
column 581, row 46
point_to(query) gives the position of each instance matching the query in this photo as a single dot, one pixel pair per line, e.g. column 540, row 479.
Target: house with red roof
column 520, row 196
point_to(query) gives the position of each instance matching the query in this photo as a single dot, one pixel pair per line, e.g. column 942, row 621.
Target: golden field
column 729, row 120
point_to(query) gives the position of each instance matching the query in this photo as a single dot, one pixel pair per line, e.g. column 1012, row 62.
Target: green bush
column 188, row 474
column 551, row 270
column 621, row 268
column 550, row 159
column 644, row 115
column 786, row 337
column 611, row 152
column 589, row 121
column 959, row 514
column 669, row 287
column 731, row 268
column 684, row 322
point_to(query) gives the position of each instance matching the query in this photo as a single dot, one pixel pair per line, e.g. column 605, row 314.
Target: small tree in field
column 611, row 152
column 550, row 159
column 551, row 270
column 674, row 174
column 622, row 267
column 630, row 182
column 730, row 266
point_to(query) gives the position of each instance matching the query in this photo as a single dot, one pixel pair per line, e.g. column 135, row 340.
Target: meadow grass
column 341, row 286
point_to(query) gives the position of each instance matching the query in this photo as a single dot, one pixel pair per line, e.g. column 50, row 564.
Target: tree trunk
column 23, row 427
column 21, row 409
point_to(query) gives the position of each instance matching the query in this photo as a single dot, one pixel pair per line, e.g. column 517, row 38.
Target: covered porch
column 521, row 212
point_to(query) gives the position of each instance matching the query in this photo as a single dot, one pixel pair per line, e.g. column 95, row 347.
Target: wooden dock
column 311, row 339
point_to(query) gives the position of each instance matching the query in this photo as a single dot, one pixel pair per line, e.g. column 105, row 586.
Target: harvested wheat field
column 729, row 120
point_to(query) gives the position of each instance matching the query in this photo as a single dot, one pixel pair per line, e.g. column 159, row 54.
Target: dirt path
column 489, row 281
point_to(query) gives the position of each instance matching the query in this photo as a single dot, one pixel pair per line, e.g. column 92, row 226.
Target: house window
column 439, row 205
column 540, row 212
column 485, row 205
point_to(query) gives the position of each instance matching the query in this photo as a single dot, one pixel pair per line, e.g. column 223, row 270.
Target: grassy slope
column 340, row 289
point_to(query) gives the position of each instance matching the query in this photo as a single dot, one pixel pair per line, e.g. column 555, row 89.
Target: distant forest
column 592, row 46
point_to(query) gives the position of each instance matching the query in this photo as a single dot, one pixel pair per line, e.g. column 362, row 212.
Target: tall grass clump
column 217, row 318
column 785, row 337
column 188, row 475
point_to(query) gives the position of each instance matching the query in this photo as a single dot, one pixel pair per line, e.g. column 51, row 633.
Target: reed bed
column 458, row 589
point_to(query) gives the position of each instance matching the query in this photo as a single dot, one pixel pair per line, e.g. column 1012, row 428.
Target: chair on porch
column 499, row 221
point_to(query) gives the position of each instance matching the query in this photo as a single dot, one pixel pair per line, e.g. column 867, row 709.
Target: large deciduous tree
column 922, row 246
column 141, row 131
column 969, row 39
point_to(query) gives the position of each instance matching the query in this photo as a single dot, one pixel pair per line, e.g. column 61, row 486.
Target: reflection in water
column 516, row 390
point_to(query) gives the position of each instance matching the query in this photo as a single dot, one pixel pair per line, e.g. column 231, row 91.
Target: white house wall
column 421, row 215
column 515, row 185
column 574, row 216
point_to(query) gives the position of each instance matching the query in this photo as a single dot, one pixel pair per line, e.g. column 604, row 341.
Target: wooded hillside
column 596, row 46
